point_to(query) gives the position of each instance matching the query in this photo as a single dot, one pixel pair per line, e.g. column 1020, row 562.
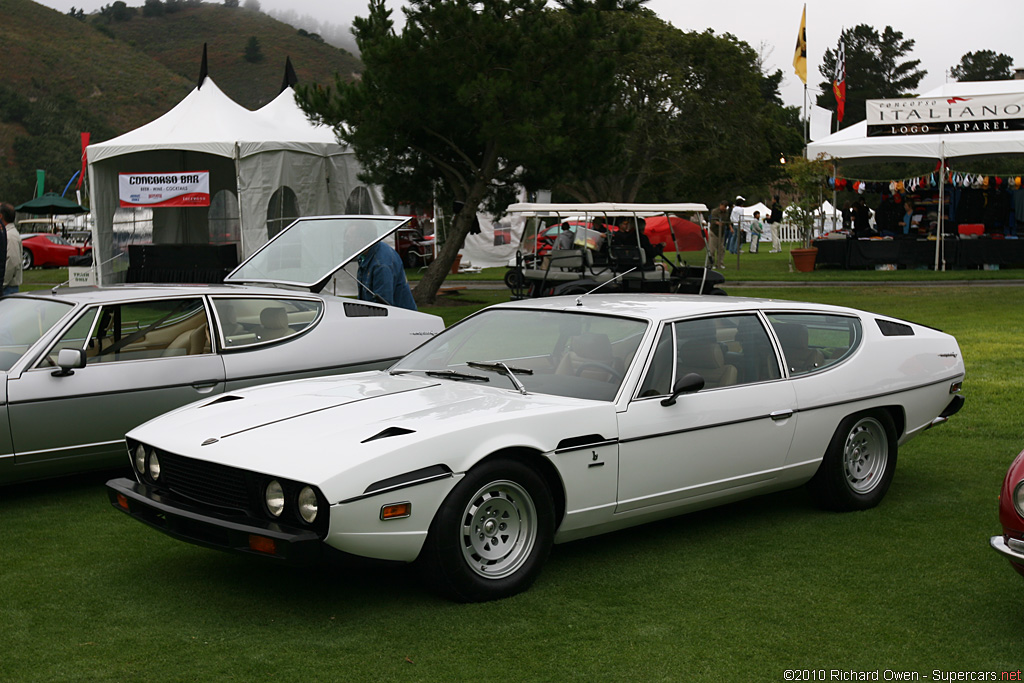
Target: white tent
column 271, row 165
column 853, row 142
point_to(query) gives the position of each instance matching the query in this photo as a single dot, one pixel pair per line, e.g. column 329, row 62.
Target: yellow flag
column 800, row 56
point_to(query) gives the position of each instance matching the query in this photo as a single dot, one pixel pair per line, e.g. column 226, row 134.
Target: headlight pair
column 147, row 463
column 306, row 502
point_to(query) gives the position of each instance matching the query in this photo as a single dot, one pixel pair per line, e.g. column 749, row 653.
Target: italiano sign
column 152, row 190
column 944, row 115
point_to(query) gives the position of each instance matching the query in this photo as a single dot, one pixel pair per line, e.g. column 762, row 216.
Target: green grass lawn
column 742, row 592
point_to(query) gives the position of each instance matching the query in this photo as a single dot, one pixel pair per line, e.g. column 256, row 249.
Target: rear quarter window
column 814, row 341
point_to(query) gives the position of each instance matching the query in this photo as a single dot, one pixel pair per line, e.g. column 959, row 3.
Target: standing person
column 381, row 277
column 861, row 218
column 12, row 274
column 6, row 219
column 756, row 228
column 775, row 220
column 736, row 217
column 717, row 233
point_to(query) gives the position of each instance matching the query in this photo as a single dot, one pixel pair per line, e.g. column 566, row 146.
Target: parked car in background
column 45, row 249
column 544, row 421
column 1010, row 543
column 79, row 367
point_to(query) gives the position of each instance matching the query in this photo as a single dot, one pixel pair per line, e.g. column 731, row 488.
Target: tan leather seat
column 707, row 360
column 590, row 355
column 800, row 357
column 273, row 324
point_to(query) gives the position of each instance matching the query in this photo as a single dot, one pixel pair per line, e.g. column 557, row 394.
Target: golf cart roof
column 528, row 209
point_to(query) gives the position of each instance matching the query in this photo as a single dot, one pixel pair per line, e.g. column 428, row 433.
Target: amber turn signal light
column 262, row 544
column 395, row 511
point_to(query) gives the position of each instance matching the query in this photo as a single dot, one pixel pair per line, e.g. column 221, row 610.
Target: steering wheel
column 615, row 375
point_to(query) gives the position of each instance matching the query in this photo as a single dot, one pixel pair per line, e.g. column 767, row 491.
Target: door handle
column 781, row 415
column 205, row 386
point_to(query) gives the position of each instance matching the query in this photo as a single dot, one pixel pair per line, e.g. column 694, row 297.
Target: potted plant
column 807, row 178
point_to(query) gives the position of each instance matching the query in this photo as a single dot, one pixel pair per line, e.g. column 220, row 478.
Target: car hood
column 321, row 429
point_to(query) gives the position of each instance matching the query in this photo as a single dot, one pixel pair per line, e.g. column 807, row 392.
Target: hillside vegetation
column 64, row 76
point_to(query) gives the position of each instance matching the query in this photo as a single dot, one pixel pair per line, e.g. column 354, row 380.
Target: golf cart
column 619, row 247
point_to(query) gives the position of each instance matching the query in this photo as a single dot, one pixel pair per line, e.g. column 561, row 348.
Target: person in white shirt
column 735, row 239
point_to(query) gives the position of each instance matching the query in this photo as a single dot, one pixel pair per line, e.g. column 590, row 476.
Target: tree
column 983, row 65
column 807, row 179
column 705, row 118
column 874, row 70
column 253, row 5
column 483, row 96
column 253, row 53
column 231, row 3
column 153, row 8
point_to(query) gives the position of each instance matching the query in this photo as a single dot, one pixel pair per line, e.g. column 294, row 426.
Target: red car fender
column 1012, row 522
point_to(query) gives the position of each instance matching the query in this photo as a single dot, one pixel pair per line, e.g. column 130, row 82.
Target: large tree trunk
column 425, row 293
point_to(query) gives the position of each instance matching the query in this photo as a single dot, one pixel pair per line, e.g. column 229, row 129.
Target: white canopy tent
column 273, row 164
column 853, row 143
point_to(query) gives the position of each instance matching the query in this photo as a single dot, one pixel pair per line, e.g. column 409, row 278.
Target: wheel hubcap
column 499, row 529
column 865, row 455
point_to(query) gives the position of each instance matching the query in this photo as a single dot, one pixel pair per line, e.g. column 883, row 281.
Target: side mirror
column 690, row 383
column 68, row 359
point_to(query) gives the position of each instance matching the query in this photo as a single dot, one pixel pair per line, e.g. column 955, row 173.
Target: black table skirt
column 968, row 253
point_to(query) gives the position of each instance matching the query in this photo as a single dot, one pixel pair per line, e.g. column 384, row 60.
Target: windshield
column 546, row 352
column 310, row 250
column 23, row 322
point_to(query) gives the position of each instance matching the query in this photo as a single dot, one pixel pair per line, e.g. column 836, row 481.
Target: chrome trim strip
column 64, row 449
column 797, row 411
column 396, row 487
column 586, row 446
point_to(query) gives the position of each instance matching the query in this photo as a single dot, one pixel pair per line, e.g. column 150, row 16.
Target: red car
column 1010, row 544
column 45, row 249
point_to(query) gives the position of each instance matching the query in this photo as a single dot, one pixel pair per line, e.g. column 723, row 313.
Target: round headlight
column 274, row 496
column 154, row 466
column 1018, row 498
column 307, row 504
column 140, row 459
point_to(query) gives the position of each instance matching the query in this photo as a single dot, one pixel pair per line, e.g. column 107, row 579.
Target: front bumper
column 211, row 530
column 1010, row 548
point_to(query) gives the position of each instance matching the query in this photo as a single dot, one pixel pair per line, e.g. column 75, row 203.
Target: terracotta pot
column 803, row 259
column 458, row 261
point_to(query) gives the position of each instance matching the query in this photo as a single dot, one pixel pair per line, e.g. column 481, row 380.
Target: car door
column 731, row 436
column 143, row 358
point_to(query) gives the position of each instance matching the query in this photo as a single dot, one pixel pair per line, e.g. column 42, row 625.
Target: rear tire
column 858, row 467
column 492, row 534
column 26, row 259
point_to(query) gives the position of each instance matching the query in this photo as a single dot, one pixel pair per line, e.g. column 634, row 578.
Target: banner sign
column 151, row 190
column 940, row 115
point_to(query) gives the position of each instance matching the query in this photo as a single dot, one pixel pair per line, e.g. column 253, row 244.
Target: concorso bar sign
column 151, row 190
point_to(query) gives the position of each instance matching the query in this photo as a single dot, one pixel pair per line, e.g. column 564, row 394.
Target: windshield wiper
column 503, row 369
column 499, row 367
column 454, row 374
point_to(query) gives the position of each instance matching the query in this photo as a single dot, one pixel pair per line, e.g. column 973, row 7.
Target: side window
column 247, row 321
column 76, row 337
column 812, row 341
column 141, row 330
column 725, row 351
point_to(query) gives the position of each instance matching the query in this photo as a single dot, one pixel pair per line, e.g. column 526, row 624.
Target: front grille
column 204, row 482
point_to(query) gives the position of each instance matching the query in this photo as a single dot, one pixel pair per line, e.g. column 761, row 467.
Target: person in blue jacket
column 381, row 277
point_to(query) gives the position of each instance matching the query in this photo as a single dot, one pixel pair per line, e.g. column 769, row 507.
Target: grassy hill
column 64, row 76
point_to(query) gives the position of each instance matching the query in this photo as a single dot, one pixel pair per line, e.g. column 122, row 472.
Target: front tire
column 26, row 259
column 492, row 534
column 858, row 467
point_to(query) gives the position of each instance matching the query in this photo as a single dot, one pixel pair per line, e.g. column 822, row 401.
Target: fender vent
column 894, row 329
column 388, row 433
column 364, row 311
column 222, row 399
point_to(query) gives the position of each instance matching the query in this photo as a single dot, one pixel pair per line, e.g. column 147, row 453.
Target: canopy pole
column 939, row 242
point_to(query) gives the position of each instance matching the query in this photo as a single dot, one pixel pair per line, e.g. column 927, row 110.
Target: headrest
column 702, row 354
column 274, row 318
column 791, row 335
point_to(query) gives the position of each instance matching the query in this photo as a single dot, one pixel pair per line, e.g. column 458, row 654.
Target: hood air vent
column 388, row 433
